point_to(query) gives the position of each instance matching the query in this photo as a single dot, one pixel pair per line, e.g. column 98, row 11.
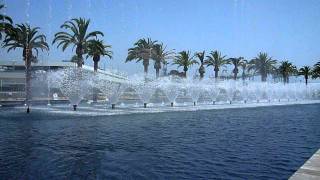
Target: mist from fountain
column 112, row 90
column 171, row 90
column 76, row 84
column 194, row 92
column 145, row 90
column 212, row 92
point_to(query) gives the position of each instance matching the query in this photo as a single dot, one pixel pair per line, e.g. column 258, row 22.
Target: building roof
column 40, row 63
column 109, row 72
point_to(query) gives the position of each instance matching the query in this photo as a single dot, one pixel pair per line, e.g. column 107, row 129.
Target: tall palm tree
column 216, row 60
column 159, row 55
column 77, row 37
column 286, row 69
column 316, row 70
column 185, row 60
column 29, row 40
column 142, row 50
column 236, row 63
column 244, row 67
column 263, row 64
column 305, row 71
column 95, row 49
column 201, row 56
column 5, row 23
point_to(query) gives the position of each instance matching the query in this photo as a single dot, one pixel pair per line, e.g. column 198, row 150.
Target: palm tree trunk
column 28, row 80
column 95, row 66
column 306, row 80
column 235, row 72
column 284, row 79
column 185, row 74
column 216, row 73
column 79, row 61
column 164, row 70
column 201, row 75
column 263, row 77
column 243, row 76
column 145, row 65
column 157, row 72
column 79, row 52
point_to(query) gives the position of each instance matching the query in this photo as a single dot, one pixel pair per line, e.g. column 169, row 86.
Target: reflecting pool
column 234, row 143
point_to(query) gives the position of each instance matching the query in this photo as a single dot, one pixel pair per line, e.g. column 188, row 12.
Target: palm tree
column 286, row 69
column 263, row 64
column 236, row 63
column 216, row 60
column 30, row 41
column 306, row 72
column 160, row 55
column 78, row 37
column 316, row 70
column 184, row 59
column 201, row 56
column 142, row 50
column 244, row 66
column 95, row 49
column 5, row 23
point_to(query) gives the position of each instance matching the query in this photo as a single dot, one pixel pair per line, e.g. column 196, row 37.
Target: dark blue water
column 252, row 143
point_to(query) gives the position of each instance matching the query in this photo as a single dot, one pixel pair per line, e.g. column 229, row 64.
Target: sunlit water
column 231, row 143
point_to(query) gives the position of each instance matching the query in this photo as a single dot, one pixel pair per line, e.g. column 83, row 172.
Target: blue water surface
column 244, row 143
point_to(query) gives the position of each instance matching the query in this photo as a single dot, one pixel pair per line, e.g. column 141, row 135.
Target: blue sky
column 285, row 29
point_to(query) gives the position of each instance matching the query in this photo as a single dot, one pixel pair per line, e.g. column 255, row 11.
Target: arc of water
column 194, row 91
column 213, row 92
column 145, row 90
column 75, row 84
column 172, row 91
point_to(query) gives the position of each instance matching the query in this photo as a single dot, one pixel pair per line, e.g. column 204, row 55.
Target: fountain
column 112, row 90
column 75, row 85
column 172, row 91
column 194, row 92
column 213, row 92
column 145, row 90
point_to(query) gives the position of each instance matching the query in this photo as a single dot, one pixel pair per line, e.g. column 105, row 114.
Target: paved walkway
column 310, row 170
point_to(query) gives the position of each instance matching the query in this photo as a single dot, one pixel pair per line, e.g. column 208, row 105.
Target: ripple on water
column 253, row 143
